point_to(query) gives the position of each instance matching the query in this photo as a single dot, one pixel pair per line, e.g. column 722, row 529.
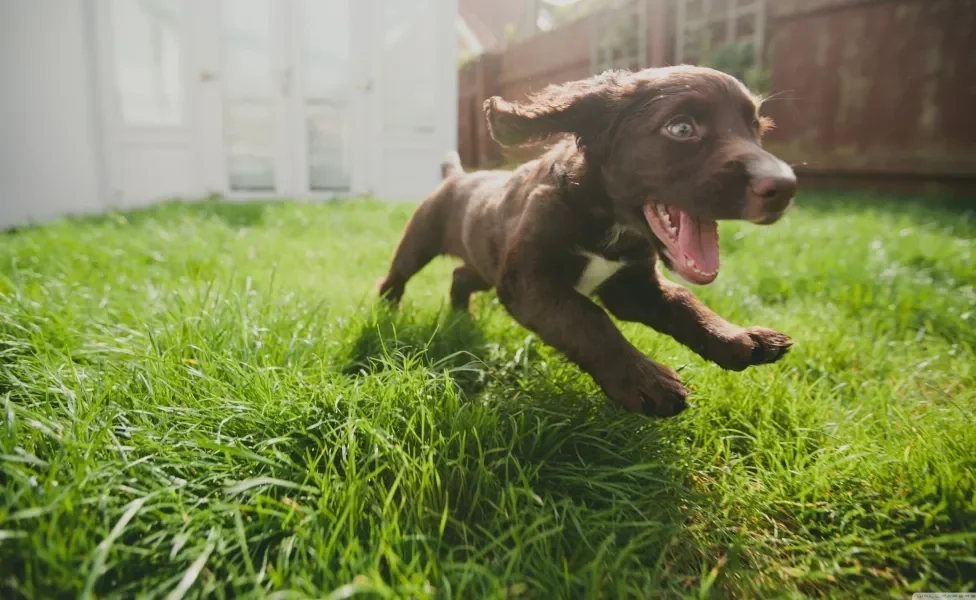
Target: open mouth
column 690, row 243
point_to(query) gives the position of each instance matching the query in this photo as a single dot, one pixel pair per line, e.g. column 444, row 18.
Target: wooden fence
column 875, row 93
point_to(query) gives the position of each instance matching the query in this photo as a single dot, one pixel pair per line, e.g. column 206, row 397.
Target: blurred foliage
column 555, row 16
column 465, row 58
column 739, row 60
column 571, row 12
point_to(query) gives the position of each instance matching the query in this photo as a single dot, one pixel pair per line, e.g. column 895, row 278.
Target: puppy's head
column 678, row 149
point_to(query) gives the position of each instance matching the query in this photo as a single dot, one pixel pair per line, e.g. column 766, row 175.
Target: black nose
column 776, row 192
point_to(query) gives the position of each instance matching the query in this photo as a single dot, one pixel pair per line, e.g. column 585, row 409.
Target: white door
column 145, row 55
column 277, row 98
column 252, row 80
column 332, row 89
column 415, row 61
column 287, row 97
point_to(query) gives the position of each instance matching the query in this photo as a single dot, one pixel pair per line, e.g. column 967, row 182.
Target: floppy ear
column 584, row 108
column 766, row 124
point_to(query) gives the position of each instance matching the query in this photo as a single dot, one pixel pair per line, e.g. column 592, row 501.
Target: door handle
column 285, row 77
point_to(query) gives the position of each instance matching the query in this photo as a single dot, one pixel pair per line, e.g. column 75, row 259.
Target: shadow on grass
column 957, row 212
column 448, row 342
column 551, row 457
column 235, row 215
column 535, row 467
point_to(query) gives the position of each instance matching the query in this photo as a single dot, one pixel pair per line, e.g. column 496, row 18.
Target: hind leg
column 465, row 282
column 420, row 244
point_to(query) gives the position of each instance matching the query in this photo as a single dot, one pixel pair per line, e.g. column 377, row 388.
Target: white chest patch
column 597, row 270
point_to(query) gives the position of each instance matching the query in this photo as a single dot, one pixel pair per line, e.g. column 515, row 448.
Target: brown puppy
column 654, row 159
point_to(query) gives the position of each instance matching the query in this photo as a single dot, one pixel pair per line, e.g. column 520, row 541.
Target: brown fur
column 524, row 232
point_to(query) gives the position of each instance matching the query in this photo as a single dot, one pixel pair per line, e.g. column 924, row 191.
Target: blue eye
column 681, row 128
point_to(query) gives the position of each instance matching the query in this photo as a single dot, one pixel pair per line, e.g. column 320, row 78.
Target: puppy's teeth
column 666, row 219
column 690, row 263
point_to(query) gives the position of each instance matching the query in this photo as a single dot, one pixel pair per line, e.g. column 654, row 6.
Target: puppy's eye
column 681, row 128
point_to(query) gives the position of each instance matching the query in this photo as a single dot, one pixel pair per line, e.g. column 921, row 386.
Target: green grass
column 203, row 400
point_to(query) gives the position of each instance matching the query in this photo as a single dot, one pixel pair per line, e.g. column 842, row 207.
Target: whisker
column 777, row 96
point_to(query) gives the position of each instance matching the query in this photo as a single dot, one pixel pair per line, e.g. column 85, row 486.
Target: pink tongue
column 698, row 239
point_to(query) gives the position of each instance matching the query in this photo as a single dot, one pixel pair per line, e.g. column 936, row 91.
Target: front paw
column 753, row 346
column 769, row 346
column 390, row 290
column 642, row 385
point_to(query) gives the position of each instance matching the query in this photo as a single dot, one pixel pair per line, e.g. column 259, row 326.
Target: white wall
column 49, row 129
column 57, row 158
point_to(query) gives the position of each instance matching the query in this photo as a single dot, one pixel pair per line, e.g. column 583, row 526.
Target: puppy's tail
column 451, row 165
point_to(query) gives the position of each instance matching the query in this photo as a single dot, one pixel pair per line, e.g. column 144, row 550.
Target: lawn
column 204, row 400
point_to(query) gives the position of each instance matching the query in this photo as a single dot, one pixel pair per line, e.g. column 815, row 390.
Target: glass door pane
column 249, row 94
column 326, row 64
column 409, row 66
column 147, row 48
